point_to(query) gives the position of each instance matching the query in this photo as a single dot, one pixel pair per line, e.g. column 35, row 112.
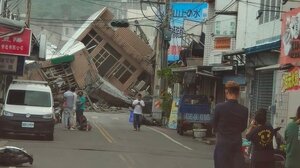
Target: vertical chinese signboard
column 290, row 37
column 192, row 11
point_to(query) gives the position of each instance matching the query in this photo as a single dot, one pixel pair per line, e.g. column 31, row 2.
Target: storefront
column 262, row 60
column 288, row 78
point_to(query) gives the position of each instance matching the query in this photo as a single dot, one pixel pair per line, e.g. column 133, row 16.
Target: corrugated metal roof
column 84, row 27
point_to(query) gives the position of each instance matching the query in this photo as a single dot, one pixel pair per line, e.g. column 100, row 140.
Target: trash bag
column 14, row 156
column 130, row 117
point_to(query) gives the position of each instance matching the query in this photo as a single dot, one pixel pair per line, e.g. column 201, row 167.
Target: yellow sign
column 291, row 80
column 173, row 116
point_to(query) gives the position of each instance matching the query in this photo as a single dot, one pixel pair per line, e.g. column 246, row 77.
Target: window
column 91, row 40
column 29, row 98
column 270, row 10
column 106, row 59
column 124, row 71
column 218, row 28
column 273, row 9
column 267, row 11
column 262, row 4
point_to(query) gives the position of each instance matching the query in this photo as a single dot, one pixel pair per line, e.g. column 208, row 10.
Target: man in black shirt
column 229, row 121
column 261, row 136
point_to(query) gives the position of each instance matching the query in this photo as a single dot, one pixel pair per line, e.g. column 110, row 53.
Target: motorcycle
column 279, row 151
column 14, row 156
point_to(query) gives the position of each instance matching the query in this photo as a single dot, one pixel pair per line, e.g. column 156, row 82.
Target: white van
column 28, row 109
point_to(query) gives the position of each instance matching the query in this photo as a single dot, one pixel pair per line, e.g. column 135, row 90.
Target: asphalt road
column 112, row 143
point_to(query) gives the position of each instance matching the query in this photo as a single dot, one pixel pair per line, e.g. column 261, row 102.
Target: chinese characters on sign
column 19, row 44
column 197, row 117
column 193, row 11
column 290, row 37
column 291, row 80
column 8, row 63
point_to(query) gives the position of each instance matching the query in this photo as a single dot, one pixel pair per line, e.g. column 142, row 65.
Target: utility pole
column 160, row 63
column 28, row 11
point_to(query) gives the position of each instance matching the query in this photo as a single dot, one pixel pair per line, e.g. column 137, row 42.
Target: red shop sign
column 19, row 44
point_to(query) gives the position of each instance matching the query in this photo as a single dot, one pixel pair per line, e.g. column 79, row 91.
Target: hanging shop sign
column 290, row 37
column 18, row 44
column 177, row 29
column 12, row 64
column 193, row 11
column 181, row 11
column 291, row 80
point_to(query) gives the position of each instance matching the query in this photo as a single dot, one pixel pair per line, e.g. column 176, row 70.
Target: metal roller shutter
column 262, row 92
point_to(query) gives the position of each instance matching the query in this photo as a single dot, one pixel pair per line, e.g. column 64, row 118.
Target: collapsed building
column 109, row 64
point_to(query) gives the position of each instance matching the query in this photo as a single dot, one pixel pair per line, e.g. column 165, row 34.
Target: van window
column 29, row 98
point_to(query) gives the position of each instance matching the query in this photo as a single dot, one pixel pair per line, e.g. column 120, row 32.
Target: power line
column 256, row 4
column 230, row 4
column 158, row 16
column 77, row 20
column 95, row 3
column 223, row 10
column 141, row 8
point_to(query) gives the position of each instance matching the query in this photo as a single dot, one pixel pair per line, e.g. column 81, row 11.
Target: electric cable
column 223, row 10
column 159, row 17
column 141, row 8
column 95, row 3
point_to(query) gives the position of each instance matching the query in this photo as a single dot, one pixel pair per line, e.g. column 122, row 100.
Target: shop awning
column 12, row 23
column 184, row 69
column 63, row 59
column 207, row 74
column 270, row 67
column 234, row 52
column 222, row 68
column 263, row 47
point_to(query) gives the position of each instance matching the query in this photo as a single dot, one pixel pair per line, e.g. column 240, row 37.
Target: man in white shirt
column 73, row 114
column 68, row 107
column 138, row 105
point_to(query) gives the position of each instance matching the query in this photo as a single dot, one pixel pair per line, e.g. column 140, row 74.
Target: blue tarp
column 263, row 47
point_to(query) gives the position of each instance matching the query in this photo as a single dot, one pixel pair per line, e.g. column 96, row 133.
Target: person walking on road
column 292, row 138
column 68, row 108
column 138, row 105
column 73, row 114
column 261, row 136
column 80, row 106
column 229, row 121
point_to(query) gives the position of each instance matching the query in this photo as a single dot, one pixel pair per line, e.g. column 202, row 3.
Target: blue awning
column 263, row 47
column 240, row 79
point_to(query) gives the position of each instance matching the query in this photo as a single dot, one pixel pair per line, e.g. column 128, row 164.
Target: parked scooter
column 14, row 156
column 279, row 151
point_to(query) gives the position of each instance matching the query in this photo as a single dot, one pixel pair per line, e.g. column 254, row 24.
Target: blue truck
column 193, row 109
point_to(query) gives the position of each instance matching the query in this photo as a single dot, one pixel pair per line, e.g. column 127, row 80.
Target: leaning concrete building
column 111, row 64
